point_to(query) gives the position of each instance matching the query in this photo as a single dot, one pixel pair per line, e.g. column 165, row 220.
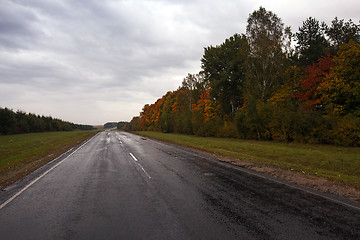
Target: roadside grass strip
column 341, row 164
column 21, row 154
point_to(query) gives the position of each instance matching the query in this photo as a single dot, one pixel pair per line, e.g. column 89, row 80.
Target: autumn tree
column 144, row 117
column 181, row 102
column 341, row 89
column 182, row 112
column 135, row 124
column 315, row 75
column 166, row 114
column 205, row 115
column 254, row 86
column 267, row 60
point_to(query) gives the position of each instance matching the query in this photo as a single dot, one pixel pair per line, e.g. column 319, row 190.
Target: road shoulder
column 304, row 179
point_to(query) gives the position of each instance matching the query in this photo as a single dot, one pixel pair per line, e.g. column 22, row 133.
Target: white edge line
column 41, row 176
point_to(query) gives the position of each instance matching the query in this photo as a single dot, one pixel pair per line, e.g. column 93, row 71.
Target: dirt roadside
column 299, row 178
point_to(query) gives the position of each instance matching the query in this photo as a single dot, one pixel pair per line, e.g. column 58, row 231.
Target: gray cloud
column 17, row 26
column 90, row 61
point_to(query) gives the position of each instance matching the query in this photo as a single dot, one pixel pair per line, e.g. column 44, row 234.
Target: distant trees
column 20, row 122
column 261, row 86
column 7, row 121
column 123, row 125
column 110, row 125
column 135, row 124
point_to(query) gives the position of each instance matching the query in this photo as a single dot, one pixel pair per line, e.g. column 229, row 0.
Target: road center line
column 142, row 168
column 41, row 176
column 133, row 157
column 144, row 171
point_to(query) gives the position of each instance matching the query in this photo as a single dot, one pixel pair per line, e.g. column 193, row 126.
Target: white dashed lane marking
column 142, row 168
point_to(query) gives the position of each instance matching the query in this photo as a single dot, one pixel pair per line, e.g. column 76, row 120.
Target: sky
column 92, row 61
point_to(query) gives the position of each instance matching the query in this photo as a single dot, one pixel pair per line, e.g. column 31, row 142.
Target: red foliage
column 309, row 85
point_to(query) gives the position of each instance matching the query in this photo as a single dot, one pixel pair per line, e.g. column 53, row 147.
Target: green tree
column 7, row 121
column 122, row 125
column 224, row 67
column 22, row 125
column 189, row 85
column 193, row 85
column 311, row 41
column 266, row 36
column 341, row 32
column 110, row 125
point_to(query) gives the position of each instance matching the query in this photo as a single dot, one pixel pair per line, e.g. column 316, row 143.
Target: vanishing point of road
column 119, row 185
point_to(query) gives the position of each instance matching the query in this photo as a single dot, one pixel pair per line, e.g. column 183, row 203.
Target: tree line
column 110, row 125
column 20, row 122
column 270, row 84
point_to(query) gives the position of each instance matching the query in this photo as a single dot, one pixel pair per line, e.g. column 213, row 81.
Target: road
column 123, row 186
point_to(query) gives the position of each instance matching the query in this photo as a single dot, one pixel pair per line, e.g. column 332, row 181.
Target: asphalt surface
column 122, row 186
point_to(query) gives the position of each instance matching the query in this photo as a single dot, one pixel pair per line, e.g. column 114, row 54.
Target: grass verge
column 341, row 164
column 21, row 154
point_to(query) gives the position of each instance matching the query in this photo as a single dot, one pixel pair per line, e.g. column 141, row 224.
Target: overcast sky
column 94, row 61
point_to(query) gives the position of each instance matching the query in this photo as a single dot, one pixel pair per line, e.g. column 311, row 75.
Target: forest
column 20, row 122
column 270, row 84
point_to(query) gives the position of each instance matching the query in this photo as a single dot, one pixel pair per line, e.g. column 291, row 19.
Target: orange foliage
column 180, row 103
column 206, row 106
column 151, row 114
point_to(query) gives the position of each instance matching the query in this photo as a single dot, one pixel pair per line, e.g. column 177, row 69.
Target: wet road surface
column 122, row 186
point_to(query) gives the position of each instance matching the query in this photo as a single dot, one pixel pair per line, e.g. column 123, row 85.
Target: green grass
column 338, row 163
column 23, row 153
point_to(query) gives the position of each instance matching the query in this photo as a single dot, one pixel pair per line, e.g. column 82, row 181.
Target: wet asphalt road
column 122, row 186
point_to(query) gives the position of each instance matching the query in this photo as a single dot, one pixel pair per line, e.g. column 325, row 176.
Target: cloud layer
column 90, row 62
